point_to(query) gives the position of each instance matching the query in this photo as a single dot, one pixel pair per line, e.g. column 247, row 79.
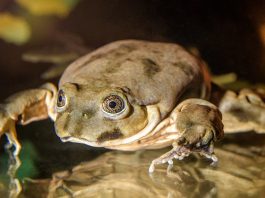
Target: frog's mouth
column 154, row 117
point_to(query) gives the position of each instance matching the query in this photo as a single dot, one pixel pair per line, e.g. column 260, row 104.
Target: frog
column 134, row 95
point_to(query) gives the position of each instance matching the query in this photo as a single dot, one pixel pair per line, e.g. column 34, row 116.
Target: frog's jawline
column 154, row 118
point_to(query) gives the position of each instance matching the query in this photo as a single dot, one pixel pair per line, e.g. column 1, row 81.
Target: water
column 239, row 173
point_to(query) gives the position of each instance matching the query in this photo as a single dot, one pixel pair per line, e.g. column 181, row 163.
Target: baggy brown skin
column 164, row 91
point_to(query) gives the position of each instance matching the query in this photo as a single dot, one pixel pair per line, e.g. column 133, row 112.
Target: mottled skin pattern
column 148, row 71
column 160, row 94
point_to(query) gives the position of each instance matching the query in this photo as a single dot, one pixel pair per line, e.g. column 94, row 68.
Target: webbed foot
column 199, row 124
column 179, row 152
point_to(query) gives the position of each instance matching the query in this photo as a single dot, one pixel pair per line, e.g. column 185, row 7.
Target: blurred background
column 230, row 35
column 37, row 36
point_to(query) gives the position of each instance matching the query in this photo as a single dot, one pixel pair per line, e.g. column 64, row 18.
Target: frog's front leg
column 25, row 107
column 195, row 124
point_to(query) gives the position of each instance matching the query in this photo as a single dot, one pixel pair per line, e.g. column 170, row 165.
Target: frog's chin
column 154, row 117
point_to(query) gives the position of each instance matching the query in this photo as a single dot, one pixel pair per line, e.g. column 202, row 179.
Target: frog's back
column 153, row 72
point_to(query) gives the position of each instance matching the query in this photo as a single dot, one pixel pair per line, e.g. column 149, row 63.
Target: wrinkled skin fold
column 159, row 95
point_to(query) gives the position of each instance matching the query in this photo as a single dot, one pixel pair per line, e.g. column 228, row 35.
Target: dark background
column 227, row 34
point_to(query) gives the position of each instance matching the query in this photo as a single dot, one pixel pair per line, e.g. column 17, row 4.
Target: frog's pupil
column 112, row 104
column 60, row 98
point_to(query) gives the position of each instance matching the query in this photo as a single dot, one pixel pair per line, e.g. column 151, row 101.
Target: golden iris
column 113, row 104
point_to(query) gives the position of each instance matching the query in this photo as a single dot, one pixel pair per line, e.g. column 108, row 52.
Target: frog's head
column 101, row 116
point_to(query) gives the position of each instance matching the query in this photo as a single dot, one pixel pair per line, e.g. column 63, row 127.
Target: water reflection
column 240, row 173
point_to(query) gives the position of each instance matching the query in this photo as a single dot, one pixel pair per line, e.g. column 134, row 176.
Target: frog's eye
column 61, row 99
column 113, row 105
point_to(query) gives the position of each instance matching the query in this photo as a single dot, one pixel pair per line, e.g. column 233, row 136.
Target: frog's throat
column 154, row 117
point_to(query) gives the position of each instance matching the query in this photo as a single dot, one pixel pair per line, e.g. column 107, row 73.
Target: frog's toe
column 152, row 167
column 202, row 144
column 210, row 156
column 17, row 148
column 208, row 137
column 197, row 138
column 166, row 158
column 177, row 152
column 160, row 161
column 12, row 139
column 7, row 127
column 208, row 152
